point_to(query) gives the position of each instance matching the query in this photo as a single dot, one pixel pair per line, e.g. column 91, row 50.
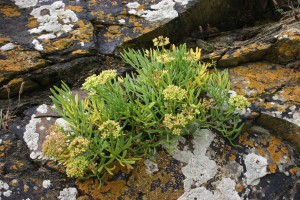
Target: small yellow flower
column 173, row 47
column 238, row 101
column 173, row 92
column 161, row 41
column 193, row 56
column 176, row 131
column 110, row 127
column 121, row 80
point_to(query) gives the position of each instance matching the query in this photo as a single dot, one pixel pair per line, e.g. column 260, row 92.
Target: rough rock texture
column 43, row 42
column 204, row 166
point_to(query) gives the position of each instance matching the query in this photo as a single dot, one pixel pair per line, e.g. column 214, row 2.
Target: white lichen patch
column 225, row 190
column 160, row 11
column 68, row 194
column 151, row 167
column 63, row 123
column 4, row 189
column 31, row 137
column 26, row 3
column 7, row 47
column 37, row 45
column 32, row 133
column 46, row 183
column 53, row 20
column 256, row 167
column 42, row 108
column 196, row 171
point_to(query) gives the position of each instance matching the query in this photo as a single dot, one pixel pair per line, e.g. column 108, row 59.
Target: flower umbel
column 161, row 41
column 110, row 127
column 173, row 92
column 238, row 101
column 78, row 145
column 93, row 81
column 76, row 167
column 55, row 145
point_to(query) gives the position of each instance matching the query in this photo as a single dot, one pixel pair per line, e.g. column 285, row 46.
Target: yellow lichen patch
column 19, row 60
column 239, row 188
column 4, row 40
column 232, row 157
column 79, row 52
column 32, row 22
column 53, row 46
column 9, row 11
column 225, row 57
column 75, row 8
column 17, row 165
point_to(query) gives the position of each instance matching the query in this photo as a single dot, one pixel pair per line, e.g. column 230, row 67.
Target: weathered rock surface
column 42, row 42
column 206, row 166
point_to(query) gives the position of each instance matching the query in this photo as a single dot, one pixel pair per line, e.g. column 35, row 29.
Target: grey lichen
column 256, row 167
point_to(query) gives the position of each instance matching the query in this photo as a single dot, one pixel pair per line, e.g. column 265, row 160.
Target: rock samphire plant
column 124, row 119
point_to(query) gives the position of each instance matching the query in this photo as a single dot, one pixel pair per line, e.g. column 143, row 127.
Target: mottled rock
column 43, row 42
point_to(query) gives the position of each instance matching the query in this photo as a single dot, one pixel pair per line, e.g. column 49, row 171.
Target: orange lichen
column 75, row 8
column 10, row 11
column 292, row 93
column 262, row 76
column 232, row 157
column 139, row 183
column 275, row 152
column 244, row 140
column 295, row 170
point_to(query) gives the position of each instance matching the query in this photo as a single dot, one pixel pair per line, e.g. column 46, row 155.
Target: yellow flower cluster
column 55, row 145
column 78, row 146
column 161, row 41
column 190, row 112
column 94, row 80
column 238, row 101
column 175, row 121
column 158, row 74
column 76, row 167
column 208, row 103
column 173, row 92
column 193, row 56
column 110, row 127
column 164, row 58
